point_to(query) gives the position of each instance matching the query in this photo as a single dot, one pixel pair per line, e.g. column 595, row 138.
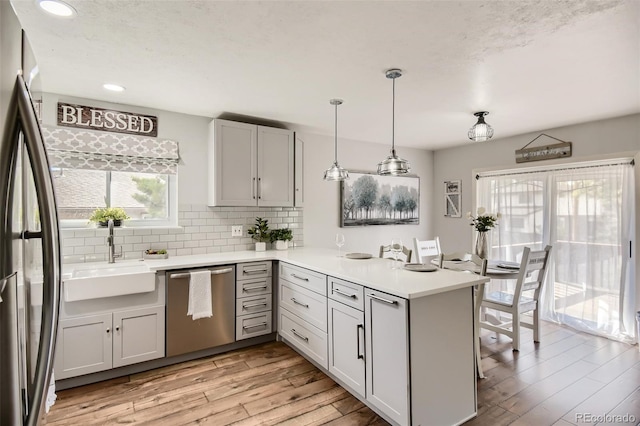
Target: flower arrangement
column 483, row 221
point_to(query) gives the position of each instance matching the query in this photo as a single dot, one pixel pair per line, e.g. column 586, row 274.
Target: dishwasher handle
column 213, row 272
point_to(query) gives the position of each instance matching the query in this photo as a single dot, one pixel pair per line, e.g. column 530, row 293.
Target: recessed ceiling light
column 113, row 87
column 57, row 8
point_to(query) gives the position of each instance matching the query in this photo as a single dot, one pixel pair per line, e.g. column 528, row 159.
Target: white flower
column 481, row 210
column 498, row 215
column 469, row 215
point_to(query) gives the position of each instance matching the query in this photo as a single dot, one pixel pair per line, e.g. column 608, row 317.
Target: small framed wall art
column 452, row 198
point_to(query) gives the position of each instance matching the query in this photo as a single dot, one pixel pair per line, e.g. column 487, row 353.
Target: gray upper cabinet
column 250, row 165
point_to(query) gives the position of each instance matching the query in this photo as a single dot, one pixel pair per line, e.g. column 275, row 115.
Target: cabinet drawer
column 253, row 325
column 253, row 287
column 308, row 279
column 253, row 270
column 309, row 306
column 306, row 338
column 346, row 292
column 253, row 304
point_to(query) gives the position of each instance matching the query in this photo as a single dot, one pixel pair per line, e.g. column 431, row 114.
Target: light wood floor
column 544, row 384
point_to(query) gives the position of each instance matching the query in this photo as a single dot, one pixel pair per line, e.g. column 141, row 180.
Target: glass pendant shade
column 335, row 172
column 480, row 131
column 393, row 165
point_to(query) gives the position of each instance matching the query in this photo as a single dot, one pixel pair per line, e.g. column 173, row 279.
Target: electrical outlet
column 236, row 231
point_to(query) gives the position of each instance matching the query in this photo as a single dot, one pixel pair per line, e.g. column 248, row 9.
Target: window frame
column 172, row 209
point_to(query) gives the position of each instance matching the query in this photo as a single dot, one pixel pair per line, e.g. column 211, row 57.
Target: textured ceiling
column 533, row 64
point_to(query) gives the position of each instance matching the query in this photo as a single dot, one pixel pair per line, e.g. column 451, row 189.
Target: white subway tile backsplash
column 133, row 239
column 202, row 229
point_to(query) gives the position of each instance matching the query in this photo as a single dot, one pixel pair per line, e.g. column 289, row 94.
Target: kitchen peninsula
column 392, row 337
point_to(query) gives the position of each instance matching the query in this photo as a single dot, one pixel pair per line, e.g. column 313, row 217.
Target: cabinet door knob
column 108, row 331
column 118, row 328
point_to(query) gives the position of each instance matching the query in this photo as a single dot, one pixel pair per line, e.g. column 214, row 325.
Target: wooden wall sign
column 547, row 152
column 86, row 117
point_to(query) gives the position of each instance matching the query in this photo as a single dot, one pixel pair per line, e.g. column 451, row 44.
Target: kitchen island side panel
column 443, row 387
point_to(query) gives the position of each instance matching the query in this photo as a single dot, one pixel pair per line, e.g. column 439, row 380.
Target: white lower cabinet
column 392, row 356
column 302, row 311
column 387, row 353
column 253, row 299
column 93, row 343
column 346, row 346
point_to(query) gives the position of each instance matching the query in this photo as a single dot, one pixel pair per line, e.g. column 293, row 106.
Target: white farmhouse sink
column 97, row 281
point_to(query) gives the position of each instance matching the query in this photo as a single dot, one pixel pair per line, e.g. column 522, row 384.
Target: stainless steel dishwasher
column 185, row 334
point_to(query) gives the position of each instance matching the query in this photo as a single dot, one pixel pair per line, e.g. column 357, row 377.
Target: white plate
column 419, row 267
column 358, row 256
column 509, row 265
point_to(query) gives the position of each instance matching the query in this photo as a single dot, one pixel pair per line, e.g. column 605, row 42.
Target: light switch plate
column 236, row 231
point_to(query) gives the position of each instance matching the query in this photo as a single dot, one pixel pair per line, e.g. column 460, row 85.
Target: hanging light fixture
column 480, row 131
column 335, row 172
column 393, row 165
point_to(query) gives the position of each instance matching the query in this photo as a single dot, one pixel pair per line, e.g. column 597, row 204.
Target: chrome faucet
column 111, row 244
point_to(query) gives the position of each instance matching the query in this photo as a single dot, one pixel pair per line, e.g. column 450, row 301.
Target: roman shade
column 85, row 149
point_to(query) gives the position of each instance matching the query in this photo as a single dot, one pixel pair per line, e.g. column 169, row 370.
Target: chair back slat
column 426, row 248
column 532, row 271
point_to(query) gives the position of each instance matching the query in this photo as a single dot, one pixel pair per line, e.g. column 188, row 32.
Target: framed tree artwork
column 371, row 199
column 452, row 198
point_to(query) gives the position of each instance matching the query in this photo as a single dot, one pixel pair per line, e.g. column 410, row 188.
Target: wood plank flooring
column 560, row 381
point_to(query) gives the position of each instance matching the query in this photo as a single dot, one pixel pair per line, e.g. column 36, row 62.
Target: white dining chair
column 386, row 252
column 426, row 248
column 529, row 284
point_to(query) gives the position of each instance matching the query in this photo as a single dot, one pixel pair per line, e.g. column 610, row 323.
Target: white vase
column 481, row 248
column 261, row 246
column 281, row 245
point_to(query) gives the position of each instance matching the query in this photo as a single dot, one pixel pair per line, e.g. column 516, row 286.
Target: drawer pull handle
column 358, row 327
column 299, row 303
column 342, row 293
column 253, row 305
column 253, row 271
column 300, row 278
column 187, row 275
column 382, row 299
column 299, row 336
column 256, row 288
column 247, row 327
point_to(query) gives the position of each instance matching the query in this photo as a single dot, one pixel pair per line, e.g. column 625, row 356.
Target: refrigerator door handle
column 21, row 118
column 3, row 283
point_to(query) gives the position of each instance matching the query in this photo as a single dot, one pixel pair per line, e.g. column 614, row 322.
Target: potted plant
column 102, row 215
column 260, row 233
column 281, row 237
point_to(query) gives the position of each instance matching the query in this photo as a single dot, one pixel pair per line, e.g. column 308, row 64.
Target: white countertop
column 374, row 273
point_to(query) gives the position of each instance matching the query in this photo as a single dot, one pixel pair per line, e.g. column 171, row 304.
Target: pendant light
column 335, row 172
column 393, row 165
column 480, row 131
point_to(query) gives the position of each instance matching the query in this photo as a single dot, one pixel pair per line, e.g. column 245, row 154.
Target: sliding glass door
column 586, row 212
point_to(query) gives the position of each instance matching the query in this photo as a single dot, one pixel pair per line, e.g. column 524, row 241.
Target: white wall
column 592, row 140
column 322, row 206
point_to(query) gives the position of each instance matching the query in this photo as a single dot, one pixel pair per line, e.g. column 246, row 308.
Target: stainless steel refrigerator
column 29, row 239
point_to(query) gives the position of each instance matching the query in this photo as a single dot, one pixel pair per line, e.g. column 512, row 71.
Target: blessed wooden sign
column 86, row 117
column 547, row 152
